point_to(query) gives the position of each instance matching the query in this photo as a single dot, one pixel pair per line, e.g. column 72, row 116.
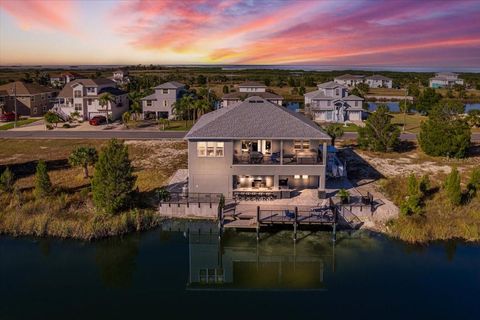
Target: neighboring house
column 349, row 80
column 32, row 99
column 82, row 96
column 120, row 77
column 331, row 103
column 256, row 146
column 248, row 89
column 378, row 81
column 160, row 104
column 59, row 80
column 445, row 79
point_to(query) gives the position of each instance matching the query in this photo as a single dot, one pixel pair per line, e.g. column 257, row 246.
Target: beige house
column 256, row 146
column 31, row 99
column 248, row 89
column 82, row 96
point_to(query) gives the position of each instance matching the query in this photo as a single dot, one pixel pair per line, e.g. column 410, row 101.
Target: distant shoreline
column 319, row 68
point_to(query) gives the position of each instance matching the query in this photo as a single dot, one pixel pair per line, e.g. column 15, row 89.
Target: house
column 82, row 96
column 160, row 104
column 248, row 89
column 332, row 103
column 256, row 146
column 31, row 99
column 120, row 77
column 378, row 81
column 59, row 80
column 445, row 79
column 349, row 80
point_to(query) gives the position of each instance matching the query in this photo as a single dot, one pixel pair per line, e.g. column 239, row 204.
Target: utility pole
column 405, row 110
column 15, row 103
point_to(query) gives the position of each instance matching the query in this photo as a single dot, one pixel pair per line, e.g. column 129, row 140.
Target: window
column 356, row 103
column 43, row 97
column 89, row 102
column 34, row 110
column 164, row 103
column 165, row 91
column 77, row 93
column 210, row 149
column 328, row 103
column 149, row 103
column 301, row 144
column 44, row 108
column 90, row 90
column 78, row 107
column 337, row 92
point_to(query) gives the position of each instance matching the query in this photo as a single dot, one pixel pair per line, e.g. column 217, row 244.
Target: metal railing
column 190, row 197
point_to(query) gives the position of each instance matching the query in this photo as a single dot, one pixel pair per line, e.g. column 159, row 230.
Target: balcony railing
column 298, row 158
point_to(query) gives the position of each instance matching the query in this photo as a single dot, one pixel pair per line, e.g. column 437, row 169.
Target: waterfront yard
column 69, row 211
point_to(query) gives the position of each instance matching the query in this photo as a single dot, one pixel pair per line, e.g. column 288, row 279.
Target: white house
column 378, row 81
column 120, row 77
column 331, row 103
column 82, row 96
column 445, row 79
column 349, row 80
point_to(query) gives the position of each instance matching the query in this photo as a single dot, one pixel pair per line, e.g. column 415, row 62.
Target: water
column 472, row 106
column 163, row 274
column 394, row 106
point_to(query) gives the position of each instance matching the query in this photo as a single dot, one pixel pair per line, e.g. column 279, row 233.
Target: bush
column 379, row 134
column 66, row 126
column 474, row 183
column 453, row 188
column 334, row 130
column 43, row 185
column 83, row 156
column 7, row 180
column 113, row 180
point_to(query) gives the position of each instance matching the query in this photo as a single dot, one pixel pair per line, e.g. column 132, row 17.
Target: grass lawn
column 20, row 123
column 386, row 92
column 412, row 121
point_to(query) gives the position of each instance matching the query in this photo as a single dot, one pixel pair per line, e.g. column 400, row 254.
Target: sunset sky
column 358, row 32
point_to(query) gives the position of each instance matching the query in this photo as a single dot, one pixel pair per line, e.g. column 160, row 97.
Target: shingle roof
column 241, row 95
column 252, row 84
column 170, row 85
column 255, row 118
column 349, row 77
column 330, row 85
column 150, row 97
column 67, row 91
column 23, row 88
column 378, row 77
column 353, row 97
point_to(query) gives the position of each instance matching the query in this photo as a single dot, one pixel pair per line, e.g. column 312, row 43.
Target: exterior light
column 304, row 176
column 297, row 176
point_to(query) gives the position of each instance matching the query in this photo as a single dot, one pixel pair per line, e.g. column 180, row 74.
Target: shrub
column 453, row 188
column 411, row 205
column 7, row 180
column 334, row 130
column 113, row 180
column 83, row 156
column 66, row 126
column 43, row 185
column 52, row 118
column 424, row 184
column 474, row 183
column 379, row 133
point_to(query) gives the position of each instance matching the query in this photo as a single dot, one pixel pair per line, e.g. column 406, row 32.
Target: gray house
column 160, row 104
column 331, row 103
column 256, row 146
column 249, row 89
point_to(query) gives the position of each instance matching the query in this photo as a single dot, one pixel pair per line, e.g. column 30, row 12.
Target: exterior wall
column 31, row 105
column 115, row 110
column 379, row 83
column 164, row 102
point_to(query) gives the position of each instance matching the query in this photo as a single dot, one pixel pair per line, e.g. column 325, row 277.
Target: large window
column 301, row 144
column 165, row 91
column 149, row 103
column 77, row 93
column 210, row 149
column 78, row 107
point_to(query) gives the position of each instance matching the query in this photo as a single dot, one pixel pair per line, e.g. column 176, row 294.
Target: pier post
column 220, row 222
column 334, row 235
column 295, row 222
column 258, row 223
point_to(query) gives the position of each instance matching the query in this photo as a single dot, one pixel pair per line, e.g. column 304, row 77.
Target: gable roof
column 255, row 118
column 252, row 84
column 378, row 77
column 170, row 85
column 23, row 88
column 352, row 97
column 330, row 85
column 349, row 77
column 67, row 91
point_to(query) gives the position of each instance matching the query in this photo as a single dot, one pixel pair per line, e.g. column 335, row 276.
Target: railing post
column 295, row 222
column 258, row 223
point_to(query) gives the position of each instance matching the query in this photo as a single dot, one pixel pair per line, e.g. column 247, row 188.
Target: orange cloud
column 37, row 14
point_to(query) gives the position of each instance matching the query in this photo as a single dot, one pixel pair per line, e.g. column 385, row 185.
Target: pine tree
column 43, row 185
column 453, row 188
column 113, row 180
column 83, row 157
column 7, row 180
column 379, row 133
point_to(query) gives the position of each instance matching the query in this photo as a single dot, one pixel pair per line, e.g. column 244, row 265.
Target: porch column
column 321, row 186
column 281, row 152
column 276, row 183
column 324, row 155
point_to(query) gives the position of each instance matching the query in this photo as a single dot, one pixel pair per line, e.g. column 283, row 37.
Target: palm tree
column 104, row 100
column 135, row 104
column 202, row 107
column 183, row 106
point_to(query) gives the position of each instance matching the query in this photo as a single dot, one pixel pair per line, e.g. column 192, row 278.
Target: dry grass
column 69, row 211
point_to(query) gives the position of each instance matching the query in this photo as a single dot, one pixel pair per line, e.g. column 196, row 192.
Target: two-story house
column 379, row 81
column 59, row 80
column 256, row 146
column 82, row 96
column 445, row 79
column 248, row 89
column 332, row 103
column 349, row 80
column 120, row 77
column 31, row 99
column 160, row 104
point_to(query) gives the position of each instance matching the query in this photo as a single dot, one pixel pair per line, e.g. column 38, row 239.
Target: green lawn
column 178, row 125
column 412, row 121
column 20, row 123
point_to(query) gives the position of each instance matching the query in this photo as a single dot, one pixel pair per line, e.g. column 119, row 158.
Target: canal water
column 394, row 106
column 182, row 271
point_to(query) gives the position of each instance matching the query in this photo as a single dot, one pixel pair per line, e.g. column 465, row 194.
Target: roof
column 67, row 91
column 349, row 77
column 330, row 85
column 23, row 88
column 352, row 97
column 255, row 118
column 379, row 77
column 150, row 97
column 112, row 90
column 170, row 85
column 252, row 84
column 241, row 95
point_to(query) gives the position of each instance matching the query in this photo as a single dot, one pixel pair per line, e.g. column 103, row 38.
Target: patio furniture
column 256, row 157
column 275, row 157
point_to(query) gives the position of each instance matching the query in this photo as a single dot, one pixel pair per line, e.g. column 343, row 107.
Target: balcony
column 295, row 158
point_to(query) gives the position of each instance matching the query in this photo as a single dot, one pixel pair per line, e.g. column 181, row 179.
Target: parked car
column 97, row 120
column 7, row 116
